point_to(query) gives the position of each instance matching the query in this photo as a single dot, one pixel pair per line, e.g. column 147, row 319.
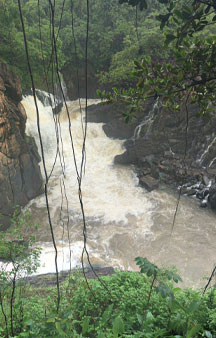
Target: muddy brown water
column 123, row 220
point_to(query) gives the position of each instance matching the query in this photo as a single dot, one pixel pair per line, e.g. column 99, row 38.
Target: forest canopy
column 189, row 73
column 117, row 36
column 172, row 43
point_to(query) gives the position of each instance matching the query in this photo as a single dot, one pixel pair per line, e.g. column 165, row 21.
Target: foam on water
column 106, row 189
column 123, row 220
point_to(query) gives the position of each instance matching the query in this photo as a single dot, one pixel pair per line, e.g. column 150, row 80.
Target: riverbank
column 163, row 150
column 49, row 279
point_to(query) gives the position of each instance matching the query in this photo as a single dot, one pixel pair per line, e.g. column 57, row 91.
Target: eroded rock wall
column 174, row 146
column 177, row 148
column 20, row 176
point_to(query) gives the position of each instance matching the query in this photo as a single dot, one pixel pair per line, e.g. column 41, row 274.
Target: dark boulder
column 49, row 279
column 148, row 182
column 212, row 196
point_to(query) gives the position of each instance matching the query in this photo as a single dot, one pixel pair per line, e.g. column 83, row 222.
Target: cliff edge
column 20, row 176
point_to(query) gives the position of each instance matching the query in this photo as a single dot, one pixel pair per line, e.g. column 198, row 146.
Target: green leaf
column 164, row 290
column 118, row 326
column 146, row 267
column 51, row 320
column 149, row 317
column 85, row 325
column 107, row 314
column 169, row 38
column 175, row 290
column 101, row 335
column 207, row 9
column 59, row 329
column 194, row 306
column 178, row 13
column 193, row 332
column 139, row 318
column 208, row 334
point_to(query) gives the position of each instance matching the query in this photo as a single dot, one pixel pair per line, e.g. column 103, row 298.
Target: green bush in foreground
column 19, row 257
column 127, row 304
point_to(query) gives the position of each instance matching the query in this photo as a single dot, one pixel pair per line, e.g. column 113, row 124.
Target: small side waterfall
column 148, row 120
column 212, row 161
column 205, row 153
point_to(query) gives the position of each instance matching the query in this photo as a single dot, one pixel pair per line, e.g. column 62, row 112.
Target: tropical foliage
column 117, row 35
column 189, row 74
column 127, row 304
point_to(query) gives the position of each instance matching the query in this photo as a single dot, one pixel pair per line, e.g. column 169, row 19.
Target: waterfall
column 148, row 120
column 47, row 99
column 212, row 161
column 123, row 220
column 106, row 189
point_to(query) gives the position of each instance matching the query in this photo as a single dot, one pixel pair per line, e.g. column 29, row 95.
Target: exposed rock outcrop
column 163, row 147
column 49, row 279
column 114, row 122
column 20, row 176
column 149, row 182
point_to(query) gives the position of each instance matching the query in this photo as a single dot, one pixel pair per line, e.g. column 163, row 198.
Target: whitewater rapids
column 123, row 220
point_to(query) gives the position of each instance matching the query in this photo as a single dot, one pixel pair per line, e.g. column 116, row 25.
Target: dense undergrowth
column 124, row 311
column 126, row 304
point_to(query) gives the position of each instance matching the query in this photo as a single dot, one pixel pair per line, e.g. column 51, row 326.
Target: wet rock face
column 164, row 148
column 160, row 142
column 20, row 176
column 114, row 122
column 148, row 182
column 212, row 196
column 11, row 83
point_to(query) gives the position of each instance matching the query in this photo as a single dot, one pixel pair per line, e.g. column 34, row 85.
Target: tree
column 117, row 35
column 190, row 72
column 19, row 257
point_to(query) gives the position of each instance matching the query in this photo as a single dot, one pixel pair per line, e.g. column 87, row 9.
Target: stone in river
column 148, row 182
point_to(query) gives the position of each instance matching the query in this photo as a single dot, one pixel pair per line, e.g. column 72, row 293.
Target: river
column 123, row 220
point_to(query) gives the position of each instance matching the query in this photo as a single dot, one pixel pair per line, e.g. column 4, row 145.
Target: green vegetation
column 126, row 304
column 190, row 74
column 116, row 37
column 119, row 34
column 19, row 257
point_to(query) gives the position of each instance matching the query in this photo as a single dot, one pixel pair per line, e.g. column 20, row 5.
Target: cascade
column 123, row 220
column 148, row 120
column 212, row 161
column 47, row 99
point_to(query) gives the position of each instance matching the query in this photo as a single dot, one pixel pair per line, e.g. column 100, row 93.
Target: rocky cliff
column 20, row 176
